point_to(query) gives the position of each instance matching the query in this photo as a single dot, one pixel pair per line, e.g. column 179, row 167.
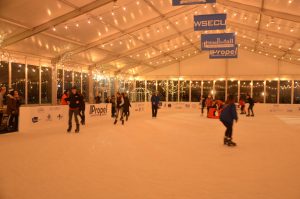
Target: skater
column 2, row 98
column 74, row 105
column 127, row 105
column 228, row 115
column 120, row 104
column 208, row 103
column 242, row 106
column 155, row 104
column 113, row 106
column 202, row 102
column 64, row 97
column 82, row 108
column 250, row 107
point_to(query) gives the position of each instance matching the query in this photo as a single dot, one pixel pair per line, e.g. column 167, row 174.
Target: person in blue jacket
column 154, row 103
column 228, row 115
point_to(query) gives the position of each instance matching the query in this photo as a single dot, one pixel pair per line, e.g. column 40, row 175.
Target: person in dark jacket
column 113, row 106
column 82, row 108
column 120, row 106
column 203, row 104
column 74, row 101
column 228, row 115
column 155, row 104
column 251, row 102
column 13, row 106
column 126, row 106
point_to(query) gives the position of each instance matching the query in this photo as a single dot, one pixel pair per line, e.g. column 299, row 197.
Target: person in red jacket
column 209, row 103
column 242, row 104
column 64, row 97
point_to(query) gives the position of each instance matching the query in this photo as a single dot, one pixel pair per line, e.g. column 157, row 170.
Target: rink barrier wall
column 54, row 117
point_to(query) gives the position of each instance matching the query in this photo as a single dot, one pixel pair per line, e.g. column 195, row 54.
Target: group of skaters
column 228, row 112
column 10, row 103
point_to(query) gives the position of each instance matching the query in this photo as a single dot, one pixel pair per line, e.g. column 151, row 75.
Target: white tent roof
column 134, row 36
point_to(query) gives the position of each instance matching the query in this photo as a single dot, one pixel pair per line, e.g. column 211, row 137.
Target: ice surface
column 176, row 156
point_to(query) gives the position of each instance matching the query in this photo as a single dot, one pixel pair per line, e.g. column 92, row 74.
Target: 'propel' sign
column 224, row 53
column 191, row 2
column 210, row 22
column 98, row 110
column 217, row 41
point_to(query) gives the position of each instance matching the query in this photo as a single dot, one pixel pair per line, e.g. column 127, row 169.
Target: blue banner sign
column 217, row 41
column 210, row 22
column 224, row 53
column 191, row 2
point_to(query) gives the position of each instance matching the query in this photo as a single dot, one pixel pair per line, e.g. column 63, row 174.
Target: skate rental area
column 149, row 99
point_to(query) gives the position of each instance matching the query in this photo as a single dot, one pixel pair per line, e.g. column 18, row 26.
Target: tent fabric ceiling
column 130, row 37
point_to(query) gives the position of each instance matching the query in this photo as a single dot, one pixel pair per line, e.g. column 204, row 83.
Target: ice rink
column 179, row 155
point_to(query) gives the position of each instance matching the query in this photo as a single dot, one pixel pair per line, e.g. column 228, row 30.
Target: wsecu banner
column 224, row 53
column 191, row 2
column 217, row 41
column 210, row 22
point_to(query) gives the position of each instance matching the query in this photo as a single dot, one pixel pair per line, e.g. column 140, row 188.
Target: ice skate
column 77, row 128
column 122, row 122
column 252, row 115
column 69, row 129
column 229, row 142
column 115, row 121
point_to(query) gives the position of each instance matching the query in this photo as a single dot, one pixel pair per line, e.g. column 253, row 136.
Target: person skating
column 208, row 103
column 202, row 102
column 242, row 106
column 155, row 104
column 113, row 106
column 228, row 115
column 74, row 105
column 127, row 105
column 82, row 108
column 119, row 111
column 251, row 102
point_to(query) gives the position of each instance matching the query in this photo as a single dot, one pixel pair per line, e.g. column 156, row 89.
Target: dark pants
column 202, row 110
column 13, row 121
column 126, row 113
column 228, row 132
column 119, row 112
column 154, row 110
column 113, row 111
column 82, row 115
column 1, row 116
column 243, row 109
column 75, row 113
column 250, row 108
column 208, row 110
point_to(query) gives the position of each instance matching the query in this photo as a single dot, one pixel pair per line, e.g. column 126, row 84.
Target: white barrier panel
column 54, row 117
column 39, row 117
column 96, row 112
column 140, row 107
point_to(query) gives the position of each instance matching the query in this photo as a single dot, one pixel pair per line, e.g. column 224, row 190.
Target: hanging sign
column 224, row 53
column 217, row 41
column 210, row 22
column 191, row 2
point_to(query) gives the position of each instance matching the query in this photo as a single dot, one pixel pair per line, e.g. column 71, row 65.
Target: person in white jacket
column 119, row 111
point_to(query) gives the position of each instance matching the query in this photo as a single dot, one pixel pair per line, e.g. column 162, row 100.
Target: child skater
column 227, row 117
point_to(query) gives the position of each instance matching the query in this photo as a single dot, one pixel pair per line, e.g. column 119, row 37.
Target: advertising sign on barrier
column 224, row 53
column 210, row 22
column 191, row 2
column 217, row 41
column 98, row 110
